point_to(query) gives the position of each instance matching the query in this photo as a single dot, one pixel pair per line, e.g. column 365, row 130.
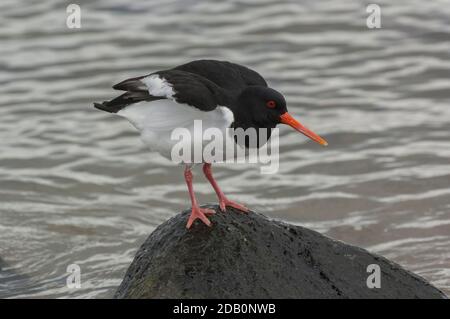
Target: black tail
column 114, row 105
column 124, row 100
column 104, row 107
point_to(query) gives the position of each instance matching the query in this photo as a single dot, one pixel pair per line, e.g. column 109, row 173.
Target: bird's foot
column 201, row 214
column 224, row 202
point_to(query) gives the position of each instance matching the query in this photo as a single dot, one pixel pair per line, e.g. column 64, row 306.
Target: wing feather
column 226, row 75
column 201, row 84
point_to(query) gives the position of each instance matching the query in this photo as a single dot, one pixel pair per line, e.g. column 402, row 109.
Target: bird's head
column 263, row 107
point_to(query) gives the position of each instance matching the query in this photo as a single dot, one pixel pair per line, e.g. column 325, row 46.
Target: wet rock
column 251, row 256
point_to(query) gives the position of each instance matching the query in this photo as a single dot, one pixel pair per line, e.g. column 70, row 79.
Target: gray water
column 78, row 187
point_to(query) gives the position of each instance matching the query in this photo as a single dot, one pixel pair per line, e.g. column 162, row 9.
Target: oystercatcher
column 221, row 94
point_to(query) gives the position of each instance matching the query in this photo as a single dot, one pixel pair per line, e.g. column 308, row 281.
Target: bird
column 221, row 94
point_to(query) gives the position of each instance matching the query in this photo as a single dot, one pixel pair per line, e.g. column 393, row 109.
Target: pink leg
column 223, row 200
column 196, row 212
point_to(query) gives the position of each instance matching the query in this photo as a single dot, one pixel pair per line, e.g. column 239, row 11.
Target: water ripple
column 77, row 186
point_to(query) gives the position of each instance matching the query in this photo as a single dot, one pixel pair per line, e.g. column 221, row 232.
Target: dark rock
column 250, row 256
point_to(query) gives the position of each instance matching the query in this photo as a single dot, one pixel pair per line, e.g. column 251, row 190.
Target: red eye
column 271, row 104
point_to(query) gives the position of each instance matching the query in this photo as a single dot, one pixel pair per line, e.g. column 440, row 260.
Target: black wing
column 194, row 90
column 227, row 75
column 203, row 84
column 185, row 88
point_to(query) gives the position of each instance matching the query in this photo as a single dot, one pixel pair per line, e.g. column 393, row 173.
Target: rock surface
column 251, row 256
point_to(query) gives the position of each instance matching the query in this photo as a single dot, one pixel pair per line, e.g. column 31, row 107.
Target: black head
column 259, row 107
column 263, row 107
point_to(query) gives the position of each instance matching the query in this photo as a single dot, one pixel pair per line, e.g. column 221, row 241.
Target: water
column 77, row 186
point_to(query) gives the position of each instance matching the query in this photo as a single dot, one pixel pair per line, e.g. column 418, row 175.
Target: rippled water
column 77, row 186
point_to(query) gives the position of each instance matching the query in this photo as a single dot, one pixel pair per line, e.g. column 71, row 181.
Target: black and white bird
column 221, row 94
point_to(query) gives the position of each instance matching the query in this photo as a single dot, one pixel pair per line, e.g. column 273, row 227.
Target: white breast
column 156, row 121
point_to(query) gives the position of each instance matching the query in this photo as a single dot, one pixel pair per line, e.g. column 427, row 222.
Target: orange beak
column 287, row 119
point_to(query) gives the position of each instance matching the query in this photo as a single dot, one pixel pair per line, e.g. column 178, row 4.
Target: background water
column 77, row 185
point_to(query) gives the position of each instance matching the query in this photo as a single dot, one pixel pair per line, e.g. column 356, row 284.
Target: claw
column 201, row 214
column 224, row 202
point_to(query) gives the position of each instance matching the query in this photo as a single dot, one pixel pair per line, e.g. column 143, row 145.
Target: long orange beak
column 286, row 118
